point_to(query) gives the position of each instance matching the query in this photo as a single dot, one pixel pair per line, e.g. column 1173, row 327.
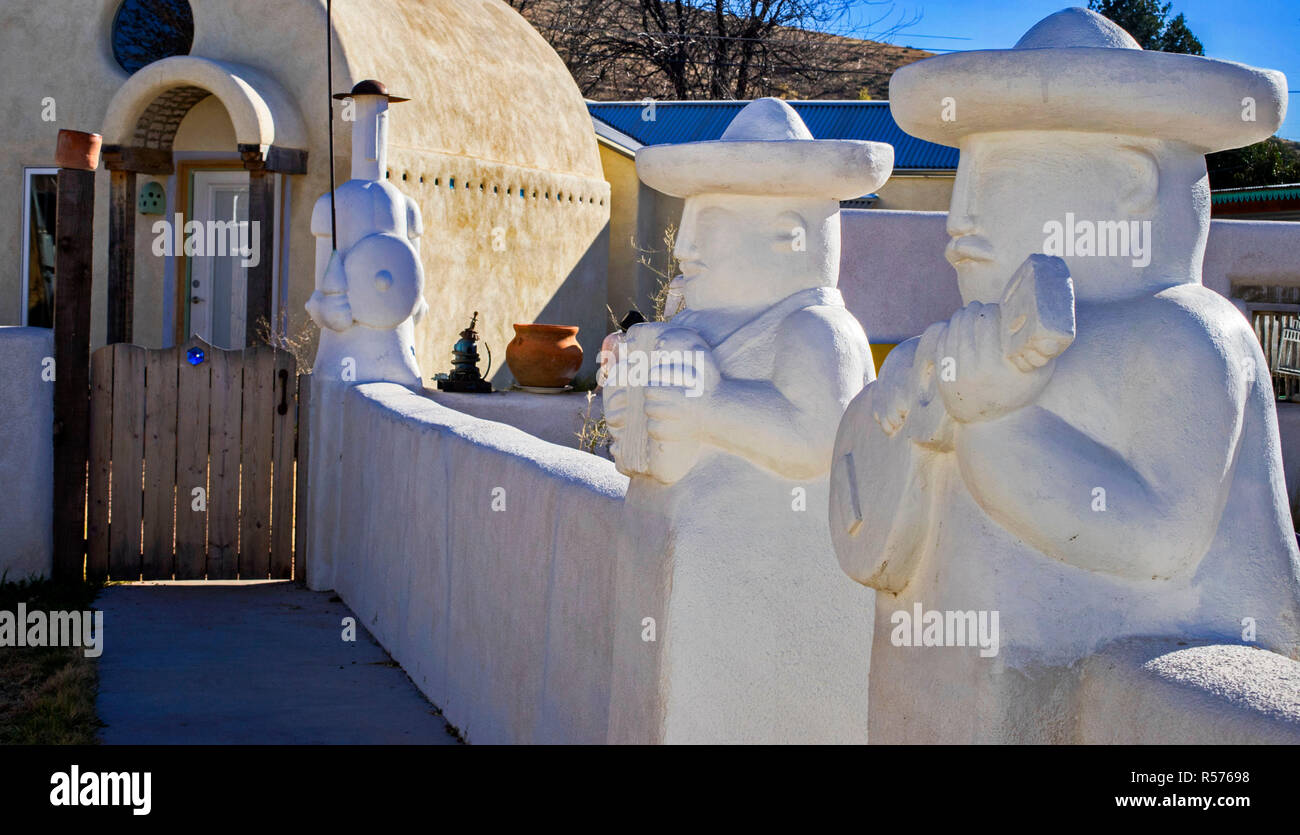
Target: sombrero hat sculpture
column 767, row 151
column 1077, row 70
column 370, row 87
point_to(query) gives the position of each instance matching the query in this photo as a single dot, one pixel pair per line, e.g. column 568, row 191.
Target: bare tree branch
column 724, row 49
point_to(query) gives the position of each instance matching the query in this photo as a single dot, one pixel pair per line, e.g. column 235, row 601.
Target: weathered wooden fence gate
column 192, row 462
column 1269, row 327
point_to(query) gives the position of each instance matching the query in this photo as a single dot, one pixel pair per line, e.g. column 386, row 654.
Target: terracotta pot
column 77, row 149
column 545, row 356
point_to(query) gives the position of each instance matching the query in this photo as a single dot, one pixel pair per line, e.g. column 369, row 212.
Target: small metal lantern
column 464, row 376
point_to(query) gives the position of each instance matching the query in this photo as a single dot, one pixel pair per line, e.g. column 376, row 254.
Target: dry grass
column 594, row 435
column 299, row 341
column 47, row 694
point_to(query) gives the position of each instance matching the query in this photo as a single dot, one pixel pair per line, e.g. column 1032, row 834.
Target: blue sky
column 1265, row 33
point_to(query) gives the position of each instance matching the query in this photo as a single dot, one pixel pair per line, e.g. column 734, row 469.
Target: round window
column 145, row 31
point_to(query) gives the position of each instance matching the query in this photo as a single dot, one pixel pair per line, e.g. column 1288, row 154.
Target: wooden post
column 121, row 256
column 73, row 266
column 261, row 212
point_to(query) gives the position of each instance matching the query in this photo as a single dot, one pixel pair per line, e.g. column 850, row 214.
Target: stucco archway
column 146, row 110
column 139, row 129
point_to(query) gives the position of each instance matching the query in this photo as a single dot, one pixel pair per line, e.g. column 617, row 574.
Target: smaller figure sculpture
column 370, row 290
column 724, row 418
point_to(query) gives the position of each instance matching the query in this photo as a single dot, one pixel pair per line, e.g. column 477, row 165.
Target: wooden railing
column 1280, row 353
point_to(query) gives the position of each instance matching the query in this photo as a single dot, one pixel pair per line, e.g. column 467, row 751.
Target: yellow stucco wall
column 537, row 258
column 483, row 82
column 620, row 173
column 880, row 350
column 206, row 127
column 639, row 255
column 916, row 193
column 491, row 102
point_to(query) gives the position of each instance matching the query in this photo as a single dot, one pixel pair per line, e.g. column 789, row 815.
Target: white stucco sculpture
column 724, row 419
column 1090, row 451
column 370, row 292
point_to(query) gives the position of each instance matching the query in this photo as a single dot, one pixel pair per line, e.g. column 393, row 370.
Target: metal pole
column 329, row 85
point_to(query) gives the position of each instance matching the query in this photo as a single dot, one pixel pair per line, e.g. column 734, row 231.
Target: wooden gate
column 192, row 463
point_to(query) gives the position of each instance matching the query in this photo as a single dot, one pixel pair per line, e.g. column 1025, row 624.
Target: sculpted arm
column 1164, row 465
column 414, row 229
column 788, row 423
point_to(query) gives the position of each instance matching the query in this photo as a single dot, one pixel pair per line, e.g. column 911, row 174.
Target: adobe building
column 199, row 99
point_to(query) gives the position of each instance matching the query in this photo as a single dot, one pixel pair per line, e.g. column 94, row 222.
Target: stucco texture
column 481, row 557
column 1157, row 691
column 26, row 454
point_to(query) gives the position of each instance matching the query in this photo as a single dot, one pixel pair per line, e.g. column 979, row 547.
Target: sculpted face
column 1128, row 206
column 740, row 252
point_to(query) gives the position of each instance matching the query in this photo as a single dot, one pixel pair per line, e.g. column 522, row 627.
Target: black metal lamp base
column 466, row 386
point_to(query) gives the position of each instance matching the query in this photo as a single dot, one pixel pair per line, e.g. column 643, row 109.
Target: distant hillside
column 813, row 65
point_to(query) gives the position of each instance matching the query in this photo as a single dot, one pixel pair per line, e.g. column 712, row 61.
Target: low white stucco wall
column 26, row 453
column 896, row 281
column 501, row 616
column 552, row 417
column 892, row 271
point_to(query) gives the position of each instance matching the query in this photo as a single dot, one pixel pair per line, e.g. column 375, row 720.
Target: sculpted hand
column 683, row 377
column 895, row 391
column 906, row 384
column 976, row 378
column 614, row 404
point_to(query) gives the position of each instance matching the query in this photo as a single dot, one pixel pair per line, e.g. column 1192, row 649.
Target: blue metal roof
column 696, row 121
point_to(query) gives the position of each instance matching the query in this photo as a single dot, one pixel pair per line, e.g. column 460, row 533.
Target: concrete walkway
column 249, row 663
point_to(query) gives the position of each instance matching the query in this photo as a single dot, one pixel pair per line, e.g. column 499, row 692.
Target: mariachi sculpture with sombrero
column 730, row 460
column 1089, row 447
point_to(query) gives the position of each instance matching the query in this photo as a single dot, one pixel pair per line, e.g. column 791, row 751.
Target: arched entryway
column 140, row 131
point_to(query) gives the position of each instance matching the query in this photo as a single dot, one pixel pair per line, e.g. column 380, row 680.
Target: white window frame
column 26, row 246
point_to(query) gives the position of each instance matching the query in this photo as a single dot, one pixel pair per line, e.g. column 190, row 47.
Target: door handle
column 195, row 299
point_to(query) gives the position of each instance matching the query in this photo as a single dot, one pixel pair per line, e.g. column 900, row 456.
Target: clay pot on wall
column 77, row 149
column 544, row 356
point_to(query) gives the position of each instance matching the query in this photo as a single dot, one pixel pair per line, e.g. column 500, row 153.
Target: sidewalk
column 249, row 663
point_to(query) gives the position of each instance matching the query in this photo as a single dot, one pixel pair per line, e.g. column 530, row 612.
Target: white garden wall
column 484, row 558
column 895, row 280
column 26, row 453
column 501, row 616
